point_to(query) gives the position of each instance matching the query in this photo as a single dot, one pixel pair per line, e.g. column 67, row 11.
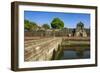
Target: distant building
column 80, row 31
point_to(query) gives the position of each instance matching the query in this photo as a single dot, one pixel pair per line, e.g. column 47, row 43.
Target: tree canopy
column 46, row 26
column 57, row 23
column 30, row 25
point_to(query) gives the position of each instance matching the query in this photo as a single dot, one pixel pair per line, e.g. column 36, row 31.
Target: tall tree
column 57, row 23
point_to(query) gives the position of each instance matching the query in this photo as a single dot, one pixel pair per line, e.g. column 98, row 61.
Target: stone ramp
column 40, row 50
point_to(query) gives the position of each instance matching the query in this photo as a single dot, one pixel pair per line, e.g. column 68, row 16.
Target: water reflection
column 75, row 54
column 69, row 54
column 86, row 54
column 72, row 54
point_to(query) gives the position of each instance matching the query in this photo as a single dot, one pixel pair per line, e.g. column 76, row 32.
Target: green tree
column 33, row 26
column 57, row 23
column 30, row 25
column 46, row 26
column 26, row 24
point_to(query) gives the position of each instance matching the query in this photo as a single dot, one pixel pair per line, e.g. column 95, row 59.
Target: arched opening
column 53, row 55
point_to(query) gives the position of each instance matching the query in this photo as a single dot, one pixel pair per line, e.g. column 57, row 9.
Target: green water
column 70, row 54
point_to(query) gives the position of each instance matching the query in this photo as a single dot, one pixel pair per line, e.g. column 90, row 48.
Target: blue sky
column 70, row 19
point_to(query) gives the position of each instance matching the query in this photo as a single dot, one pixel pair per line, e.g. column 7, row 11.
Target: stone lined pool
column 75, row 55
